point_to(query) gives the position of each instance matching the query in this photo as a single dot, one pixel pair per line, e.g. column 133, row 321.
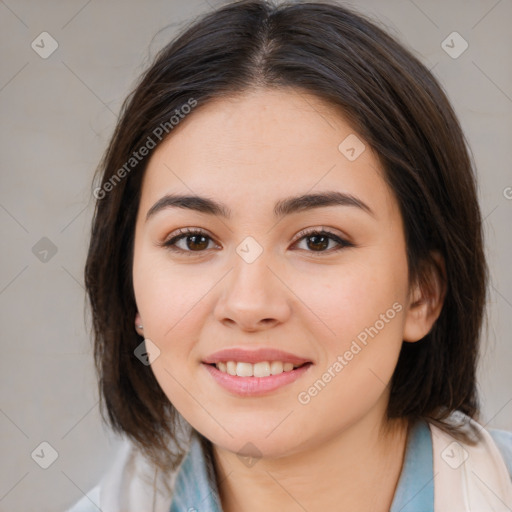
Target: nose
column 254, row 297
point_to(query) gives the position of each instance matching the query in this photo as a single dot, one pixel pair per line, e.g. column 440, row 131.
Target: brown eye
column 191, row 241
column 196, row 242
column 318, row 241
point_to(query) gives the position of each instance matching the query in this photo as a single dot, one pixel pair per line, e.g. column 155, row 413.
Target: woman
column 287, row 277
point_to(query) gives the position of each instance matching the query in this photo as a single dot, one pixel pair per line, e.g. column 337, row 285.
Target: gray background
column 57, row 115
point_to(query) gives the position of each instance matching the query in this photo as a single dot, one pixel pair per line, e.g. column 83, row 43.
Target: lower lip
column 255, row 386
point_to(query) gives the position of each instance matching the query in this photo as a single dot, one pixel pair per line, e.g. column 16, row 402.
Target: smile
column 249, row 383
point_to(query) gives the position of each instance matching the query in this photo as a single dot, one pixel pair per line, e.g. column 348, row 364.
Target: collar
column 196, row 489
column 415, row 488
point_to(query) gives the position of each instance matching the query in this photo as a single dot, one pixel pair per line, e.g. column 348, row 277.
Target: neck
column 357, row 469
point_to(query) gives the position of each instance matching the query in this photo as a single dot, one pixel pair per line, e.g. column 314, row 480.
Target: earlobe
column 426, row 300
column 138, row 324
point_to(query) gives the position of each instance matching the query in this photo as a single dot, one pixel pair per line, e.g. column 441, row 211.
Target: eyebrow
column 282, row 207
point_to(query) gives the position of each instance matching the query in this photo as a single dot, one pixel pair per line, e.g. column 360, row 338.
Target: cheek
column 346, row 300
column 361, row 334
column 359, row 359
column 169, row 297
column 171, row 300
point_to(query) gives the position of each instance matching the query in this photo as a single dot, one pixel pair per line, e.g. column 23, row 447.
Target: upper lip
column 254, row 356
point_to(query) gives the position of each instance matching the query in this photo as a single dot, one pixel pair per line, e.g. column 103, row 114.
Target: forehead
column 264, row 145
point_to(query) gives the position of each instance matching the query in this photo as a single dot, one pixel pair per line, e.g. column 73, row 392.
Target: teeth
column 244, row 369
column 276, row 367
column 261, row 369
column 230, row 367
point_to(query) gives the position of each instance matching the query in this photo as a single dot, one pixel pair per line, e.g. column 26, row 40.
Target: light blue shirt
column 196, row 489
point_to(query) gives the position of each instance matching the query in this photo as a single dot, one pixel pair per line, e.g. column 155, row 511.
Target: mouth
column 253, row 380
column 255, row 372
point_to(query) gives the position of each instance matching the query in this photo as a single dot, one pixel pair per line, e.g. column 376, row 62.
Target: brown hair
column 392, row 101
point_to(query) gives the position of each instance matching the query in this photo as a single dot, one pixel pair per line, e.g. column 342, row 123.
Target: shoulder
column 503, row 440
column 88, row 503
column 495, row 443
column 131, row 483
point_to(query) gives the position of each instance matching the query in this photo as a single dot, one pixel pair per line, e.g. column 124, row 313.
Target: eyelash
column 186, row 232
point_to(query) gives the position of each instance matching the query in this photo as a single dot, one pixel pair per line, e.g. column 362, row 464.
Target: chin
column 254, row 443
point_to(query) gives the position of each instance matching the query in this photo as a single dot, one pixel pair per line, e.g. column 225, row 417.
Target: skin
column 338, row 451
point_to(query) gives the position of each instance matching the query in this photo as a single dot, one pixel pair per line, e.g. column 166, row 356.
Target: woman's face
column 259, row 278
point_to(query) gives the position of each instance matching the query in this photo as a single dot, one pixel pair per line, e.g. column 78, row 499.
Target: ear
column 426, row 298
